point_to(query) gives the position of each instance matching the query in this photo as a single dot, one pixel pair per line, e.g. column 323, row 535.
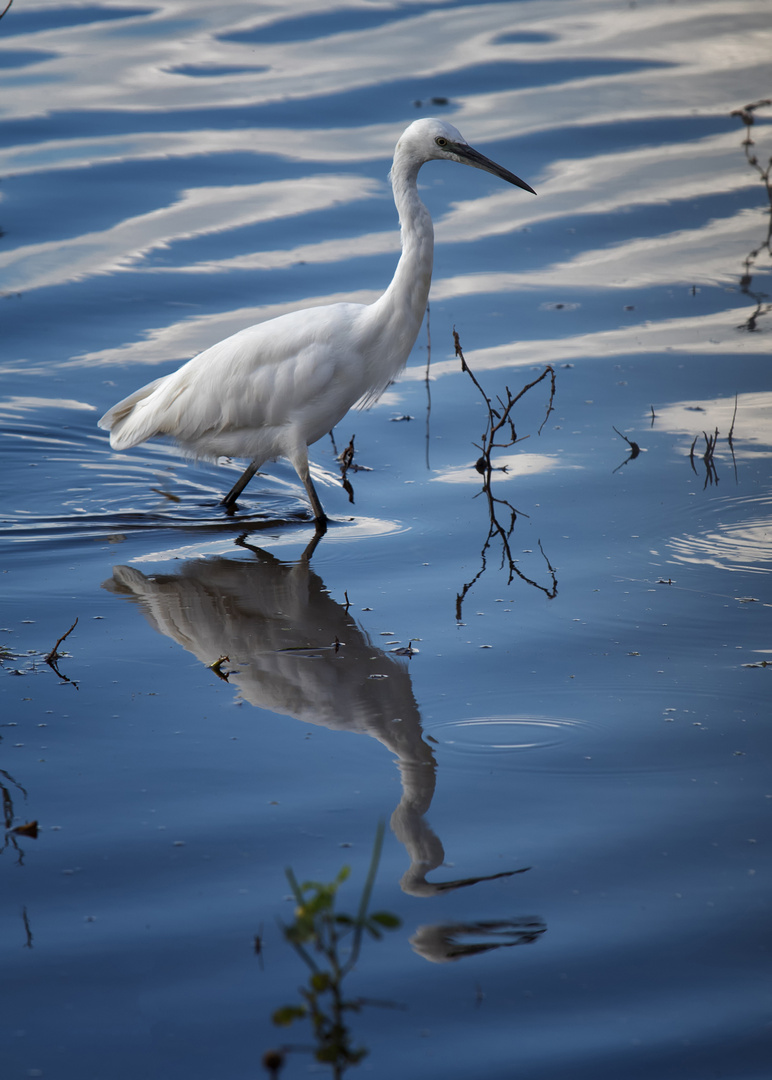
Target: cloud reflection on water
column 583, row 187
column 513, row 464
column 720, row 58
column 139, row 70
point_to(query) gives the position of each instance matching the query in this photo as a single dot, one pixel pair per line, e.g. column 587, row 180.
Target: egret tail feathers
column 129, row 425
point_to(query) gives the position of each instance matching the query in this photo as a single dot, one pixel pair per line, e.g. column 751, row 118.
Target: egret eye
column 440, row 141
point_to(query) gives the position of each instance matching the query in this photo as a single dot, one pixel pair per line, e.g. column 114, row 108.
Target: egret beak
column 472, row 157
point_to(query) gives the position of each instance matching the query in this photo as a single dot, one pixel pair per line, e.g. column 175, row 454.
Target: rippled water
column 567, row 713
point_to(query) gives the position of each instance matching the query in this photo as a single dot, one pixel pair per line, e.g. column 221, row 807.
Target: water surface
column 565, row 722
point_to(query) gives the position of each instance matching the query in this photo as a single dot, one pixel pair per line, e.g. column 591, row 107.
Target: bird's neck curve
column 401, row 308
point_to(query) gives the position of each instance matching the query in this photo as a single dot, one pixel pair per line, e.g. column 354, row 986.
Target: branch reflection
column 763, row 307
column 13, row 833
column 500, row 434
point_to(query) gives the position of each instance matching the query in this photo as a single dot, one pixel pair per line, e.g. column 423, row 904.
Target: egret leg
column 319, row 515
column 300, row 461
column 239, row 486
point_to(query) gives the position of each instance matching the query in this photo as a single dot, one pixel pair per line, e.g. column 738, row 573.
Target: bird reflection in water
column 453, row 941
column 294, row 650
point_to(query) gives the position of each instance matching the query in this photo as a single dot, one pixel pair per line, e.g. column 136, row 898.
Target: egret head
column 431, row 139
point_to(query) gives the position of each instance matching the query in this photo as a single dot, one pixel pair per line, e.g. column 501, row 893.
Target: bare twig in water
column 691, row 452
column 746, row 114
column 52, row 657
column 346, row 460
column 6, row 9
column 7, row 798
column 27, row 929
column 502, row 422
column 9, row 813
column 634, row 449
column 500, row 434
column 711, row 476
column 729, row 439
column 734, row 417
column 347, row 465
column 708, row 456
column 55, row 654
column 550, row 592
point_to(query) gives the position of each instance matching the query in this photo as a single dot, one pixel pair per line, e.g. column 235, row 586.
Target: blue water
column 579, row 702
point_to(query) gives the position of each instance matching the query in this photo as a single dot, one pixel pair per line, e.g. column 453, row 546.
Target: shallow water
column 570, row 745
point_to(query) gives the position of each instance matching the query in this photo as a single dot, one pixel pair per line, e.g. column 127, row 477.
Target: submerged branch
column 747, row 115
column 52, row 657
column 500, row 434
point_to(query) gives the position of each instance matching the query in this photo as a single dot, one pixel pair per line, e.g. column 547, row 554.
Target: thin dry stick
column 734, row 417
column 346, row 460
column 729, row 439
column 498, row 421
column 746, row 114
column 710, row 446
column 54, row 655
column 634, row 449
column 711, row 475
column 691, row 452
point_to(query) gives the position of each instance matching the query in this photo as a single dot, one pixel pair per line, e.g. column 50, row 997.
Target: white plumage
column 273, row 389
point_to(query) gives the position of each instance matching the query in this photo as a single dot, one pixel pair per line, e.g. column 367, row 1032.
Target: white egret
column 274, row 388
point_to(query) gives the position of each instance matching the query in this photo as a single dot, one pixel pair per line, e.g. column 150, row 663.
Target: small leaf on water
column 29, row 829
column 386, row 919
column 320, row 981
column 284, row 1016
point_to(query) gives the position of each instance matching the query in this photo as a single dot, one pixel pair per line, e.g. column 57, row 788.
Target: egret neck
column 400, row 311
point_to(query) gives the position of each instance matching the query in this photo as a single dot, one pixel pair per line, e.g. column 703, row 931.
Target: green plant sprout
column 329, row 942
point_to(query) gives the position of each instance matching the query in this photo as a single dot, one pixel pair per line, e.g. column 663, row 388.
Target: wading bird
column 274, row 388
